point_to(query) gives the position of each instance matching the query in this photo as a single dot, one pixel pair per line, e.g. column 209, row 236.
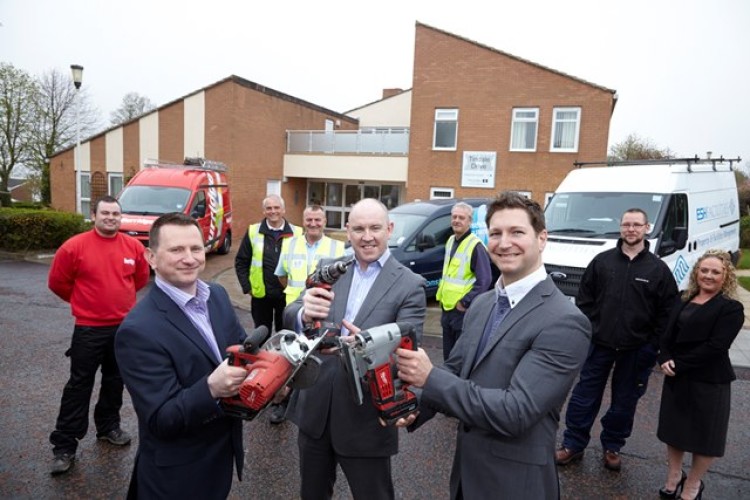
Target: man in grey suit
column 333, row 429
column 509, row 373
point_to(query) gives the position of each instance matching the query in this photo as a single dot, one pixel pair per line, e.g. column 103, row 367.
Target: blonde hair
column 729, row 288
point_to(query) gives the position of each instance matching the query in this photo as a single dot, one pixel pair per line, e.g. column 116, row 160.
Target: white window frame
column 516, row 120
column 111, row 176
column 445, row 115
column 436, row 193
column 555, row 122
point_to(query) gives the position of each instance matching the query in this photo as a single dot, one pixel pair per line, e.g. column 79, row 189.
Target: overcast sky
column 681, row 68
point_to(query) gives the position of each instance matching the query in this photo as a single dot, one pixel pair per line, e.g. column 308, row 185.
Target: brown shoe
column 564, row 456
column 612, row 460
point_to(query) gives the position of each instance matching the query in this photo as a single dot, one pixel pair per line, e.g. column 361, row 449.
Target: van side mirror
column 425, row 241
column 199, row 210
column 677, row 242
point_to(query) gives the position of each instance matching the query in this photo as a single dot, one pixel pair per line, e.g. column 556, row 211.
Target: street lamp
column 77, row 70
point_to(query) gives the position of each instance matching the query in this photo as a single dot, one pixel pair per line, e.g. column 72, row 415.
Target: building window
column 86, row 194
column 337, row 198
column 115, row 184
column 547, row 197
column 523, row 129
column 446, row 129
column 441, row 193
column 565, row 127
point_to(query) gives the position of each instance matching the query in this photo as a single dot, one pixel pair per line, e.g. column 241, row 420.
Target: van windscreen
column 404, row 226
column 597, row 215
column 153, row 200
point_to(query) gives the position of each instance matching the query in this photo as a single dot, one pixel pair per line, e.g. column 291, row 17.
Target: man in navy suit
column 170, row 349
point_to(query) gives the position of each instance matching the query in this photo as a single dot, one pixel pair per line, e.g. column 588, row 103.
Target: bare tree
column 636, row 148
column 18, row 92
column 55, row 126
column 133, row 105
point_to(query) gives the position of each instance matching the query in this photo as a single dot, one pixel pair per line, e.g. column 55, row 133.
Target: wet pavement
column 35, row 330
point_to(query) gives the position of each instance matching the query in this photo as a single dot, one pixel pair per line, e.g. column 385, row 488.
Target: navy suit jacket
column 187, row 445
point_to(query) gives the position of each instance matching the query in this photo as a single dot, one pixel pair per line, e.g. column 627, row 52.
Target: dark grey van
column 421, row 230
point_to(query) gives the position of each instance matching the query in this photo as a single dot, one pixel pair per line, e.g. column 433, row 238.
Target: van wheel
column 225, row 245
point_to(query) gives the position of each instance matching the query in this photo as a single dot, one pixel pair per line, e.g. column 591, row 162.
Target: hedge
column 27, row 229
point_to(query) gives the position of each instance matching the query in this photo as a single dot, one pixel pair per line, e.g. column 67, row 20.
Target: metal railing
column 379, row 141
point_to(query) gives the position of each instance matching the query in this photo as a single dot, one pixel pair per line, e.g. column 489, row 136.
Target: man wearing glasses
column 627, row 293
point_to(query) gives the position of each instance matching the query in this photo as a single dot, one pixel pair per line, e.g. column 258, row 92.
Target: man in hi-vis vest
column 256, row 261
column 300, row 255
column 466, row 274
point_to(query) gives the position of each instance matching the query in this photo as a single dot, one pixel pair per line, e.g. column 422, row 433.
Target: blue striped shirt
column 195, row 308
column 362, row 282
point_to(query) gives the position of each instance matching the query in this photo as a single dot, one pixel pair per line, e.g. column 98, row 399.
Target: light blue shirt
column 195, row 308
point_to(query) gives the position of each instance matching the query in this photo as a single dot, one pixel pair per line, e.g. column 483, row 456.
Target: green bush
column 745, row 231
column 26, row 229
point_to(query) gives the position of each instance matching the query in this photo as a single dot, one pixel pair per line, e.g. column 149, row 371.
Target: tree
column 18, row 93
column 133, row 105
column 636, row 148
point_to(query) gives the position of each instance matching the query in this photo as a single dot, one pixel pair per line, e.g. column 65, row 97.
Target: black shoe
column 277, row 414
column 699, row 496
column 117, row 437
column 62, row 463
column 665, row 493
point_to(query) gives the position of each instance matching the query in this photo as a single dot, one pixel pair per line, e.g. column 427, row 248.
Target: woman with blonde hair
column 694, row 357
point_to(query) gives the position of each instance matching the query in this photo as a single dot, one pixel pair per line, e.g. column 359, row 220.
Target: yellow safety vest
column 257, row 287
column 294, row 261
column 458, row 278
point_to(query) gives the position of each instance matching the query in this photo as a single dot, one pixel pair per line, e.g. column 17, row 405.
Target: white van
column 691, row 204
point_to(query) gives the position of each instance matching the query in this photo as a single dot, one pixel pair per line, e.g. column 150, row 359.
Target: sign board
column 478, row 169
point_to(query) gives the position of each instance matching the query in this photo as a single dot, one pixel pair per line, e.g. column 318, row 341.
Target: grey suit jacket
column 509, row 403
column 396, row 295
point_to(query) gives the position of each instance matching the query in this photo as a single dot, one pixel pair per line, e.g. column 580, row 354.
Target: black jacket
column 272, row 241
column 627, row 301
column 701, row 351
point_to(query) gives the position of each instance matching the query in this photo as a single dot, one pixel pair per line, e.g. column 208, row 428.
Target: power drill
column 325, row 277
column 370, row 360
column 284, row 359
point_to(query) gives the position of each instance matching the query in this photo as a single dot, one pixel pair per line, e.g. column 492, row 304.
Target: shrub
column 745, row 231
column 27, row 229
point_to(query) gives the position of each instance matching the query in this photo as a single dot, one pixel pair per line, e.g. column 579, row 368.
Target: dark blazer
column 186, row 445
column 700, row 350
column 396, row 295
column 509, row 403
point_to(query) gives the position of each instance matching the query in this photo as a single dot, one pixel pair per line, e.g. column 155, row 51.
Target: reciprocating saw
column 371, row 361
column 325, row 277
column 284, row 359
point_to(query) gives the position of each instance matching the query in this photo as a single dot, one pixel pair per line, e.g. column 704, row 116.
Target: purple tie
column 499, row 311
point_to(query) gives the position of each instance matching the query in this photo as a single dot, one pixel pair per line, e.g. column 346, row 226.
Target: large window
column 446, row 129
column 337, row 198
column 523, row 129
column 115, row 183
column 86, row 194
column 565, row 126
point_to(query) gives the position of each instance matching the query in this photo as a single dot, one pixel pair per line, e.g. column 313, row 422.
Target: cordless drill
column 370, row 360
column 325, row 277
column 284, row 359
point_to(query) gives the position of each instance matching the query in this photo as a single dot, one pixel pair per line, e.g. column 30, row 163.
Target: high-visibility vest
column 294, row 261
column 257, row 240
column 458, row 278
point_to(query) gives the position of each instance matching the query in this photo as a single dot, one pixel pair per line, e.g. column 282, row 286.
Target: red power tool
column 325, row 277
column 285, row 359
column 371, row 360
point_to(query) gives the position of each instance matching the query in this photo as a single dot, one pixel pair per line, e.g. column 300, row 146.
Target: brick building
column 476, row 121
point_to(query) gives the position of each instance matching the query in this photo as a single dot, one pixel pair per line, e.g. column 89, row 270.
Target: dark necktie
column 499, row 311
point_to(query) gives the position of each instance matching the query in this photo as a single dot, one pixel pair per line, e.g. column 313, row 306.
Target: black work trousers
column 268, row 311
column 90, row 348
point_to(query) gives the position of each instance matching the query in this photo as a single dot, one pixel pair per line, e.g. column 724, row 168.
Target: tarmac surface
column 36, row 328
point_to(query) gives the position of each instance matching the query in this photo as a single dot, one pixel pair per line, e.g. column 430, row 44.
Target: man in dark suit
column 509, row 373
column 333, row 429
column 169, row 349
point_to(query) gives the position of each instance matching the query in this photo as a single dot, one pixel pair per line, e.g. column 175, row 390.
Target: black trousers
column 90, row 348
column 268, row 311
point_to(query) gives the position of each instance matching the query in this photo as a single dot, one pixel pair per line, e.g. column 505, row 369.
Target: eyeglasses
column 632, row 226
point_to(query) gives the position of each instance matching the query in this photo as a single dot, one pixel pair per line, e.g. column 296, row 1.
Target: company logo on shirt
column 130, row 262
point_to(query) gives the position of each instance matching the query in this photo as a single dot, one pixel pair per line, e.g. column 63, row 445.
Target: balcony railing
column 380, row 141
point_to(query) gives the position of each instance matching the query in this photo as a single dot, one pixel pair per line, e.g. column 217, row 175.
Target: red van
column 197, row 188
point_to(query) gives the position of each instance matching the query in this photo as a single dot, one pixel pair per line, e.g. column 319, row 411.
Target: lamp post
column 77, row 78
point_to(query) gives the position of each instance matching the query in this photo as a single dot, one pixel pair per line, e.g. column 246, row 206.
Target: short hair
column 170, row 219
column 313, row 208
column 464, row 206
column 104, row 199
column 511, row 199
column 273, row 196
column 636, row 211
column 729, row 288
